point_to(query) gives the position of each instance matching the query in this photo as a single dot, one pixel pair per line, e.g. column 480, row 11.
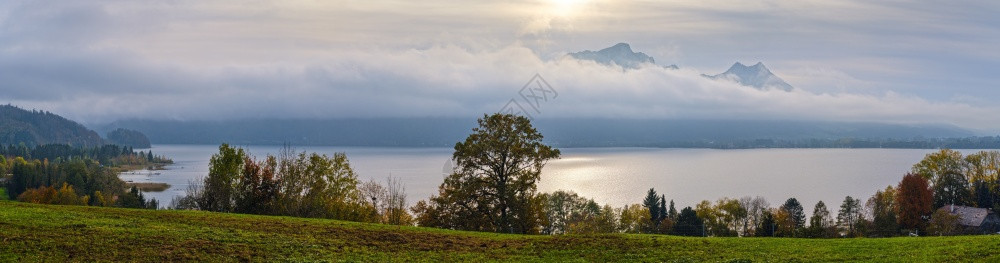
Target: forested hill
column 39, row 127
column 130, row 138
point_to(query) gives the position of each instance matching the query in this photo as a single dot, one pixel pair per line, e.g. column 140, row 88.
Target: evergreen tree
column 672, row 213
column 983, row 195
column 767, row 225
column 652, row 203
column 132, row 199
column 663, row 207
column 689, row 224
column 152, row 204
column 795, row 212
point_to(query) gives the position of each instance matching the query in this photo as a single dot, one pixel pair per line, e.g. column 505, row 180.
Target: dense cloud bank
column 97, row 62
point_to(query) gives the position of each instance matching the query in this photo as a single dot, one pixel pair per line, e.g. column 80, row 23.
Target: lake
column 615, row 176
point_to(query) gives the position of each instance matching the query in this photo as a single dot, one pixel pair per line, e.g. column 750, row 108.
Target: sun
column 565, row 8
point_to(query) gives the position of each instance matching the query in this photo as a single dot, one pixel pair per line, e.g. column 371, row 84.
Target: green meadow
column 51, row 233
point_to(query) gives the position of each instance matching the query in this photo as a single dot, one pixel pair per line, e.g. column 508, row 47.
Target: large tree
column 820, row 222
column 883, row 209
column 983, row 195
column 224, row 169
column 756, row 207
column 633, row 219
column 796, row 213
column 257, row 187
column 913, row 201
column 689, row 224
column 494, row 185
column 652, row 203
column 767, row 226
column 724, row 218
column 938, row 163
column 563, row 209
column 672, row 212
column 849, row 216
column 663, row 208
column 983, row 166
column 951, row 188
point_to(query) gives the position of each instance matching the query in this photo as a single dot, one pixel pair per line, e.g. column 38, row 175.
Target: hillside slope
column 37, row 127
column 130, row 138
column 71, row 233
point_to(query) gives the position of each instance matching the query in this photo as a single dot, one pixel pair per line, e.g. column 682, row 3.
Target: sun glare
column 566, row 8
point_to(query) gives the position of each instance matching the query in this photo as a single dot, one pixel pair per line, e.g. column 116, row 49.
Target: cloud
column 98, row 62
column 447, row 81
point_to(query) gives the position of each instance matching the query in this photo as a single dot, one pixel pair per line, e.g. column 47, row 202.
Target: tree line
column 974, row 142
column 294, row 184
column 493, row 189
column 108, row 154
column 74, row 176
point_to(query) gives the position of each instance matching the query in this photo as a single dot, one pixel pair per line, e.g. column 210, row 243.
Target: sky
column 871, row 61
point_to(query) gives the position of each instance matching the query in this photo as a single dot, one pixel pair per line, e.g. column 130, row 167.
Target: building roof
column 968, row 216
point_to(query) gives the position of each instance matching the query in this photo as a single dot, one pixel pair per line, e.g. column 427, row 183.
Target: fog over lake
column 615, row 176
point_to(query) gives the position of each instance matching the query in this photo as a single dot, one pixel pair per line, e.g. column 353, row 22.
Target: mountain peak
column 757, row 76
column 619, row 46
column 620, row 54
column 743, row 67
column 755, row 69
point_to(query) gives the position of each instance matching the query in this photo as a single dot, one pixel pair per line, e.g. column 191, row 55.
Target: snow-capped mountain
column 620, row 54
column 757, row 76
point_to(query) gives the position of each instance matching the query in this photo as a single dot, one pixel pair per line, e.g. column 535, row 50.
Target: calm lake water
column 615, row 176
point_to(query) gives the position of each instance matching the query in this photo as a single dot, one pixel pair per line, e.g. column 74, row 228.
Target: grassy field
column 3, row 193
column 30, row 232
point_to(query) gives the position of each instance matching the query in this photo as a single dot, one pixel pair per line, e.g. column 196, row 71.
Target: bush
column 48, row 195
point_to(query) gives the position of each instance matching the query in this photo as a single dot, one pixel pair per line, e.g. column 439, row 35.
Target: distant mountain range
column 757, row 76
column 621, row 54
column 579, row 132
column 36, row 127
column 40, row 127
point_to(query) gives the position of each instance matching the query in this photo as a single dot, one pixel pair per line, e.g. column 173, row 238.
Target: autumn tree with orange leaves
column 913, row 201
